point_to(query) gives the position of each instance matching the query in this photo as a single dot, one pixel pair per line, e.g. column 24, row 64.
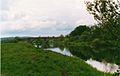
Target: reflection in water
column 38, row 46
column 35, row 45
column 104, row 67
column 58, row 50
column 101, row 66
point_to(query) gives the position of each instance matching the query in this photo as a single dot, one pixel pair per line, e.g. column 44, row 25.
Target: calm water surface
column 101, row 66
column 58, row 50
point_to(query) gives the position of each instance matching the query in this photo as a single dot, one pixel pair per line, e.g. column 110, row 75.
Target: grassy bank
column 22, row 59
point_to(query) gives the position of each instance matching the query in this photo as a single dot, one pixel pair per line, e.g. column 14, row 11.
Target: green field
column 22, row 59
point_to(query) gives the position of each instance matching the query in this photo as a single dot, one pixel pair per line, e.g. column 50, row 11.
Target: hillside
column 22, row 59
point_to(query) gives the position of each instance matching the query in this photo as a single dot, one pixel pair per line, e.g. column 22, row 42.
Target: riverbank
column 22, row 59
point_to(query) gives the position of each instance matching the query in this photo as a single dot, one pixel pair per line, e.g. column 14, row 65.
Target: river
column 101, row 66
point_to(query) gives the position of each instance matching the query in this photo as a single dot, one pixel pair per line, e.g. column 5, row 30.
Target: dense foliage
column 79, row 30
column 101, row 41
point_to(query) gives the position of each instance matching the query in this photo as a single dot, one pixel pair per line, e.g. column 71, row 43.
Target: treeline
column 103, row 39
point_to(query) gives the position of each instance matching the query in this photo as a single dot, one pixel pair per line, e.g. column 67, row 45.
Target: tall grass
column 22, row 59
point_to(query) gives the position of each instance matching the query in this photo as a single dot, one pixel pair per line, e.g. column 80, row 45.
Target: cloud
column 42, row 17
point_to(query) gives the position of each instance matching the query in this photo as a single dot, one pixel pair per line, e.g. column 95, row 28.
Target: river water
column 101, row 66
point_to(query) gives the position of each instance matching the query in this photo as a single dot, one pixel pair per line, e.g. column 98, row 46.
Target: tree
column 79, row 30
column 61, row 36
column 38, row 41
column 104, row 10
column 107, row 14
column 17, row 39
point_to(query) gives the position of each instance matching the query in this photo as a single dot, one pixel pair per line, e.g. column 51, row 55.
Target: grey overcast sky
column 42, row 17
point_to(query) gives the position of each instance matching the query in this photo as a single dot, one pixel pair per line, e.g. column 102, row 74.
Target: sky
column 42, row 17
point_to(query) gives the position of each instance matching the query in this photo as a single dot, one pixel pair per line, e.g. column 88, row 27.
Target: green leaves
column 79, row 30
column 103, row 10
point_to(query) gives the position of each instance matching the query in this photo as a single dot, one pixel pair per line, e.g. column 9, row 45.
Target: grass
column 22, row 59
